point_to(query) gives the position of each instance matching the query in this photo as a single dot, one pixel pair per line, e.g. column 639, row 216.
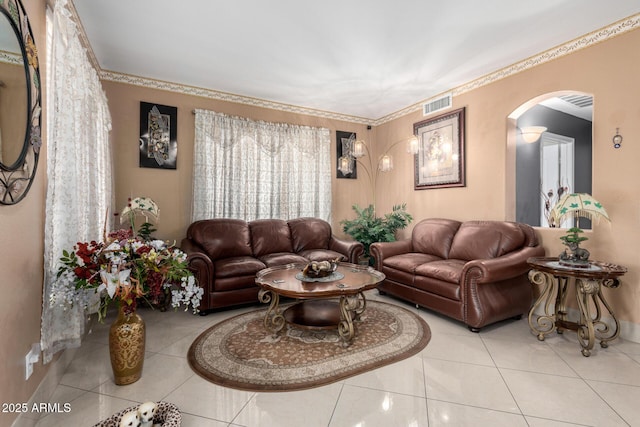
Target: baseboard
column 46, row 388
column 630, row 331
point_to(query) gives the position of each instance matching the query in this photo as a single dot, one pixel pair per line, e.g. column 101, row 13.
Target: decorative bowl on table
column 319, row 269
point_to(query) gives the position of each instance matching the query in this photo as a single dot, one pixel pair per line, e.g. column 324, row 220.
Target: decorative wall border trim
column 590, row 39
column 10, row 58
column 225, row 96
column 620, row 27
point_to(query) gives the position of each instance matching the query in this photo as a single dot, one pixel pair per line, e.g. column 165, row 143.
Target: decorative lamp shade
column 345, row 165
column 386, row 163
column 576, row 205
column 413, row 146
column 141, row 206
column 359, row 149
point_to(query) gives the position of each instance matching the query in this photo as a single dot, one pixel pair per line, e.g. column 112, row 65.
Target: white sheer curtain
column 79, row 168
column 252, row 169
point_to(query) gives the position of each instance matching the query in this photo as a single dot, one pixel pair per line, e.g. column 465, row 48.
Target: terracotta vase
column 126, row 346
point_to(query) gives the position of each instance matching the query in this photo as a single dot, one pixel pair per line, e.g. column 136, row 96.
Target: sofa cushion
column 269, row 236
column 237, row 266
column 486, row 239
column 221, row 237
column 309, row 233
column 434, row 236
column 409, row 262
column 448, row 270
column 282, row 258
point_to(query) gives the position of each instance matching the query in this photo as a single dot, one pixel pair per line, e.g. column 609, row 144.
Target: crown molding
column 620, row 27
column 11, row 58
column 114, row 76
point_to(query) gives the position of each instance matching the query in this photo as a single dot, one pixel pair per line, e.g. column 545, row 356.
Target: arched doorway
column 557, row 160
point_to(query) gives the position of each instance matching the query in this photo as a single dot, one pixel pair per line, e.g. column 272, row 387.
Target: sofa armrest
column 199, row 263
column 351, row 249
column 381, row 250
column 505, row 267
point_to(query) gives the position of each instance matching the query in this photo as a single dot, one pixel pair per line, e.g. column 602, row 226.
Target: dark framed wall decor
column 439, row 162
column 344, row 147
column 158, row 136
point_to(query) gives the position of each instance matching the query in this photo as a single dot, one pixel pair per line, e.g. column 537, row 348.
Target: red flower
column 143, row 250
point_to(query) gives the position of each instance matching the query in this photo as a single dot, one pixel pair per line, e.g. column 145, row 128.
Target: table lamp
column 576, row 206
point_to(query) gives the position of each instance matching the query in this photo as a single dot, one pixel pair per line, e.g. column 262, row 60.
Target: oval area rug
column 240, row 353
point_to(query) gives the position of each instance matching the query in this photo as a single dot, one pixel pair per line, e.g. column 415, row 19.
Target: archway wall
column 528, row 158
column 609, row 71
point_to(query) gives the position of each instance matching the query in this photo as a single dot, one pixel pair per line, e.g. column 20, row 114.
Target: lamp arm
column 391, row 146
column 372, row 179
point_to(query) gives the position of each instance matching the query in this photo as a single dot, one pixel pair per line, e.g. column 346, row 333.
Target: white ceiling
column 365, row 58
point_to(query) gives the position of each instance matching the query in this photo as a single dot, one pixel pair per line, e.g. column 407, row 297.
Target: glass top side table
column 555, row 280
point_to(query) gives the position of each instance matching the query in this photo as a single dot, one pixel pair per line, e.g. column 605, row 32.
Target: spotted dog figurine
column 130, row 419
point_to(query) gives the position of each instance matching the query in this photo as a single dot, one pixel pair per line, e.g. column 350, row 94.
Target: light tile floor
column 502, row 376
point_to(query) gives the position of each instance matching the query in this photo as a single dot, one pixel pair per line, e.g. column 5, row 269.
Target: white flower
column 136, row 244
column 111, row 281
column 158, row 245
column 64, row 294
column 188, row 294
column 113, row 247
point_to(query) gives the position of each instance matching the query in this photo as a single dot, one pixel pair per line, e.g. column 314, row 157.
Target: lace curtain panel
column 250, row 170
column 79, row 168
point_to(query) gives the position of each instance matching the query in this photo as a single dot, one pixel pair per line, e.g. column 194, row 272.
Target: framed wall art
column 158, row 136
column 344, row 155
column 439, row 162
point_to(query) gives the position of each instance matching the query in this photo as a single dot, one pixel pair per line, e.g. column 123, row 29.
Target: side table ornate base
column 555, row 280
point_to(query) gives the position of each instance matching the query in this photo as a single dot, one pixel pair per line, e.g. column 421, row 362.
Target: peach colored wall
column 609, row 71
column 172, row 189
column 21, row 267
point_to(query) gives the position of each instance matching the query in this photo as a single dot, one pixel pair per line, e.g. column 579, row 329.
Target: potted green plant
column 368, row 228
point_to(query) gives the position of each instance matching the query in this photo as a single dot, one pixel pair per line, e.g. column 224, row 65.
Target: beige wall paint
column 172, row 189
column 21, row 266
column 607, row 70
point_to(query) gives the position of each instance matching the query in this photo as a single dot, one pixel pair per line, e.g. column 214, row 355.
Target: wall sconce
column 617, row 139
column 531, row 134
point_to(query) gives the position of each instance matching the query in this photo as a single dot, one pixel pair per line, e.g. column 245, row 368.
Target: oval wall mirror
column 20, row 97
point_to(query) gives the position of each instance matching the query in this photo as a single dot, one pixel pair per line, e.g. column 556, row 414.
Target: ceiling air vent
column 438, row 104
column 578, row 100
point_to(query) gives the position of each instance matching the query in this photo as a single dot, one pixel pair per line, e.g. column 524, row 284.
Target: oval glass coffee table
column 336, row 301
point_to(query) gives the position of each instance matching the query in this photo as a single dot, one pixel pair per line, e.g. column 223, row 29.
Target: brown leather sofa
column 473, row 271
column 225, row 254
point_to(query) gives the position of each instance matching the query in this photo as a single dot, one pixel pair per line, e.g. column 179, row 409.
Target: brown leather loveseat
column 473, row 271
column 225, row 254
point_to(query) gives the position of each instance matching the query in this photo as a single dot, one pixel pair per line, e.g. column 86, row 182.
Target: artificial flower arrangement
column 126, row 267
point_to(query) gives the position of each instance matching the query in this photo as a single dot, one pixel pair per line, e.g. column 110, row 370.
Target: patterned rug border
column 410, row 345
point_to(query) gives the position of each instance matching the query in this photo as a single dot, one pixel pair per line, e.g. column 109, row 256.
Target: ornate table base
column 315, row 314
column 588, row 284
